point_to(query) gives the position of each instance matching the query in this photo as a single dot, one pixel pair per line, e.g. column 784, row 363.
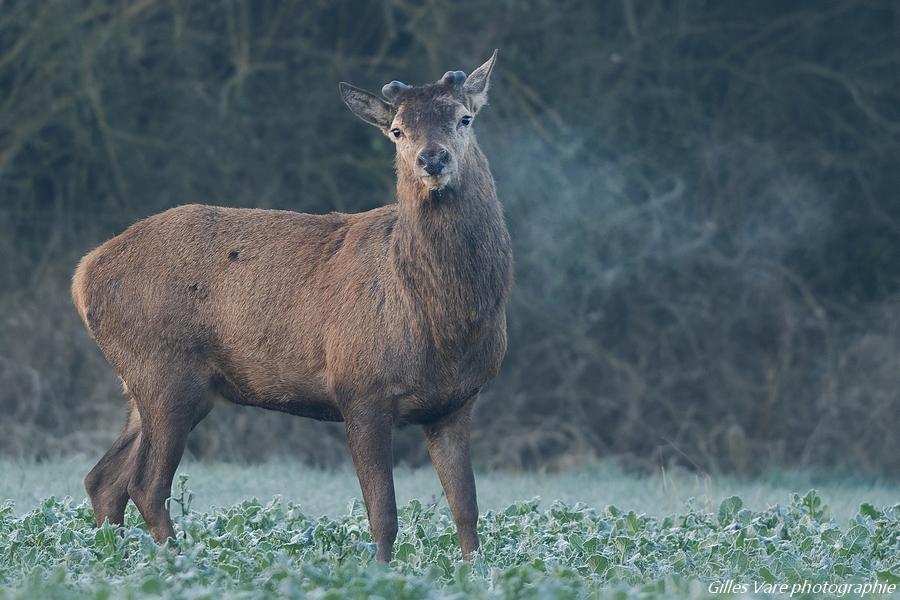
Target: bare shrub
column 702, row 200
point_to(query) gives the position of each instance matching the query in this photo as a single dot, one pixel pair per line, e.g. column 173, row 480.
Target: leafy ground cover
column 252, row 549
column 327, row 491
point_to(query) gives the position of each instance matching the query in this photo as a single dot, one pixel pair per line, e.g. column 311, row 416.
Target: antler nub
column 392, row 90
column 453, row 78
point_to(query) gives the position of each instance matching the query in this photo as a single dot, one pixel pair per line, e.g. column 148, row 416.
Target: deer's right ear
column 367, row 106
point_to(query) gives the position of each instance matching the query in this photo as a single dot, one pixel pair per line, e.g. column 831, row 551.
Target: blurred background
column 702, row 196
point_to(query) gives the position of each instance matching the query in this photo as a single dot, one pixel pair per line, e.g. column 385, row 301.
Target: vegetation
column 327, row 491
column 254, row 549
column 702, row 198
column 674, row 537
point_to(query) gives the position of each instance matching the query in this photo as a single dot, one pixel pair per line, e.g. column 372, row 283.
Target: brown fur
column 377, row 319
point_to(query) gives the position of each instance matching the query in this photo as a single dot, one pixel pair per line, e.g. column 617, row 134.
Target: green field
column 593, row 532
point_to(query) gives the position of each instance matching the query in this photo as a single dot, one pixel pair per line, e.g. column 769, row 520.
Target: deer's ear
column 476, row 85
column 367, row 106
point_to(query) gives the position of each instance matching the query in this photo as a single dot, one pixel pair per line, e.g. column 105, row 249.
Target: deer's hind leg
column 168, row 414
column 107, row 482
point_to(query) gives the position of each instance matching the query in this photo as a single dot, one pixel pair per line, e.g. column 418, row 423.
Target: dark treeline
column 702, row 197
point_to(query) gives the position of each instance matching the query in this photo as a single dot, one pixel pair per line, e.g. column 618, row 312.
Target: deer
column 380, row 319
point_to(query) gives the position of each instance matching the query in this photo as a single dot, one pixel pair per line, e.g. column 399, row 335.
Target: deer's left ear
column 476, row 85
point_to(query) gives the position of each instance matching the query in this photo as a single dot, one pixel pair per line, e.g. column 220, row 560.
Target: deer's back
column 239, row 290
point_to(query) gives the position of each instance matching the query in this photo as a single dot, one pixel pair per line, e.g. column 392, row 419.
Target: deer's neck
column 450, row 249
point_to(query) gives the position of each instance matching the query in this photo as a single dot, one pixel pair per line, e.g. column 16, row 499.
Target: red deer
column 378, row 319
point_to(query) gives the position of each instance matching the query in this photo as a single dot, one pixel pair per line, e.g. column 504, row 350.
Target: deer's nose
column 433, row 160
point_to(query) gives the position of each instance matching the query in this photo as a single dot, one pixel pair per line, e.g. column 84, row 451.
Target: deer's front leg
column 448, row 445
column 370, row 439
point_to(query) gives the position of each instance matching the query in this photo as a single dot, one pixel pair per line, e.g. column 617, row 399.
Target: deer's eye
column 396, row 133
column 465, row 121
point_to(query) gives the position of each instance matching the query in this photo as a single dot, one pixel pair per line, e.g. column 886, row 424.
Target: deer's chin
column 436, row 182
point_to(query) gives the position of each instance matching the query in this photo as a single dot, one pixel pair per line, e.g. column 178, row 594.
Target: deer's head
column 430, row 124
